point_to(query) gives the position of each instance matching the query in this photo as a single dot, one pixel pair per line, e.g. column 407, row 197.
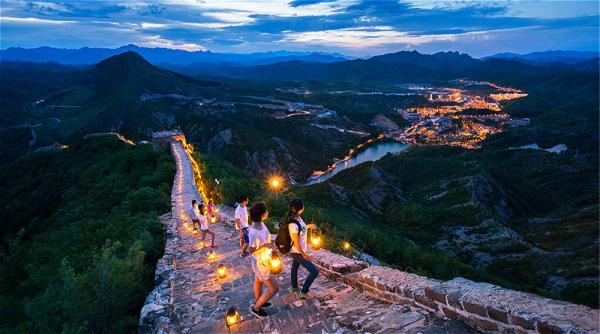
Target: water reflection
column 373, row 153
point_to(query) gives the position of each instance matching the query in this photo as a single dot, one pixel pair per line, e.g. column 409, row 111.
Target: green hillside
column 81, row 236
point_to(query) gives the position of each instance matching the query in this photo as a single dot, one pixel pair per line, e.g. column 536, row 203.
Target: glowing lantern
column 213, row 219
column 221, row 271
column 315, row 239
column 201, row 244
column 233, row 317
column 276, row 264
column 346, row 245
column 212, row 255
column 195, row 231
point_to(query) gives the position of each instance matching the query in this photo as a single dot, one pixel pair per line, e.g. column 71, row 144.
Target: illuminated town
column 459, row 116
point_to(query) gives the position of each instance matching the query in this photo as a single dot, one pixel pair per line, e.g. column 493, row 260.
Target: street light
column 275, row 182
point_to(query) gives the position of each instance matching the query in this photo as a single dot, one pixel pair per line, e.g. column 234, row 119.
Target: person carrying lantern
column 194, row 213
column 261, row 248
column 204, row 230
column 298, row 233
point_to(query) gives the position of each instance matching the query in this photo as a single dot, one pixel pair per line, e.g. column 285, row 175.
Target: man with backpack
column 292, row 238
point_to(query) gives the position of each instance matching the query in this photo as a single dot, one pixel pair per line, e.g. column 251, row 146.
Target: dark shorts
column 245, row 232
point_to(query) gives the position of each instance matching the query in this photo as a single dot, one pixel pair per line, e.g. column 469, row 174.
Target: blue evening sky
column 352, row 27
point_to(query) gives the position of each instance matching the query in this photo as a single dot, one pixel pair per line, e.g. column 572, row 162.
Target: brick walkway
column 200, row 299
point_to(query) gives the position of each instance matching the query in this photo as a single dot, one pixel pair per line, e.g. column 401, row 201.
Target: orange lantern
column 346, row 246
column 275, row 264
column 232, row 317
column 221, row 271
column 213, row 219
column 315, row 239
column 212, row 255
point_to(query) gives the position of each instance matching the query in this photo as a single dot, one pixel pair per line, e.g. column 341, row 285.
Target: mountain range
column 550, row 57
column 88, row 56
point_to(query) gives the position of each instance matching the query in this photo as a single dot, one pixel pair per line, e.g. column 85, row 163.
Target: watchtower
column 162, row 140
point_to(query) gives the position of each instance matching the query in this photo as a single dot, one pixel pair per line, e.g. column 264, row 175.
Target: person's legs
column 272, row 288
column 294, row 272
column 246, row 239
column 212, row 235
column 257, row 288
column 313, row 272
column 203, row 236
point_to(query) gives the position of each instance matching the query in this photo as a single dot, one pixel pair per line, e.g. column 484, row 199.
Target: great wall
column 349, row 296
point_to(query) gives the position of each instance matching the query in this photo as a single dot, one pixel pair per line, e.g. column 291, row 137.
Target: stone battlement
column 483, row 306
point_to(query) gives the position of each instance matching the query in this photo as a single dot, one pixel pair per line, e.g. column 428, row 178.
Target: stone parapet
column 486, row 307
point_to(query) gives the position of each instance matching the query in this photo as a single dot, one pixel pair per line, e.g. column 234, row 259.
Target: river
column 372, row 153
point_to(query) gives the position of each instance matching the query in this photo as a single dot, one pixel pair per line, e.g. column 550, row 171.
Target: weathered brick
column 523, row 322
column 498, row 314
column 450, row 314
column 484, row 324
column 368, row 281
column 546, row 328
column 408, row 292
column 454, row 301
column 435, row 295
column 424, row 300
column 474, row 308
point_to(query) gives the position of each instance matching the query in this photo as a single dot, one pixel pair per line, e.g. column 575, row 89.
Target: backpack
column 283, row 239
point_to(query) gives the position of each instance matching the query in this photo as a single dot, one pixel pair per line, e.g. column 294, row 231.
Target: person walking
column 210, row 210
column 241, row 223
column 204, row 229
column 299, row 251
column 260, row 247
column 194, row 214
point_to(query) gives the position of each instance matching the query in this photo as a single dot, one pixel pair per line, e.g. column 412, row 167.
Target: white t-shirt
column 258, row 237
column 241, row 213
column 203, row 223
column 194, row 213
column 293, row 228
column 260, row 261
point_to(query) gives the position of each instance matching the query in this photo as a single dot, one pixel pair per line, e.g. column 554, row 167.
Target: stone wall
column 485, row 307
column 155, row 316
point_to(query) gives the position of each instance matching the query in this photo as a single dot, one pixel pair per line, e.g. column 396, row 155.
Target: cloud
column 358, row 27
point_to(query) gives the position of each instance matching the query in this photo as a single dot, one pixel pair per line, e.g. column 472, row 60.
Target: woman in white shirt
column 298, row 233
column 260, row 247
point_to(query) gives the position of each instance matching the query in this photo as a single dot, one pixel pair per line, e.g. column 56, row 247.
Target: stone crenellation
column 483, row 306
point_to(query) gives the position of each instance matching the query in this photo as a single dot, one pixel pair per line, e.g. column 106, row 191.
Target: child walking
column 204, row 230
column 260, row 247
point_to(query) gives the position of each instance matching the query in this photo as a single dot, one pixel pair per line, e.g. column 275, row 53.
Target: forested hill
column 81, row 236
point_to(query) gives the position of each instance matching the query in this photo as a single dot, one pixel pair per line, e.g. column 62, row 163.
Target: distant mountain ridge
column 88, row 56
column 549, row 57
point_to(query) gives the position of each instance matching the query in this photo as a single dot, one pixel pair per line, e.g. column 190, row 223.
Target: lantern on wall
column 346, row 246
column 232, row 317
column 221, row 271
column 276, row 265
column 315, row 239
